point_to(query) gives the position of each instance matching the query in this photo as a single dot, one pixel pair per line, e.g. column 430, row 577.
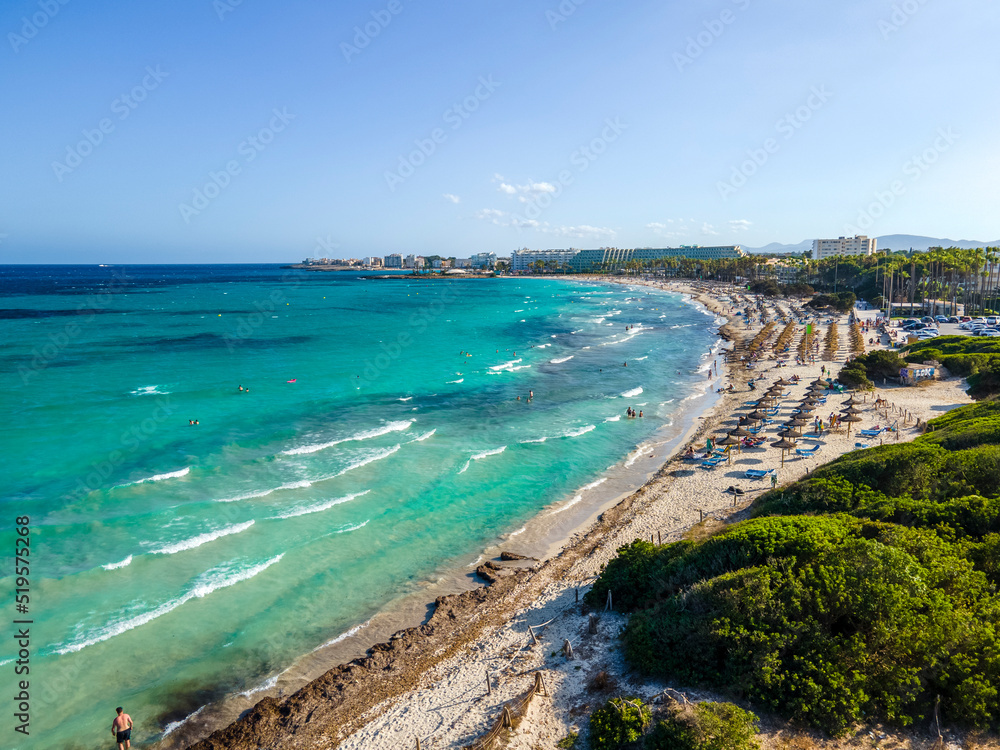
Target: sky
column 177, row 131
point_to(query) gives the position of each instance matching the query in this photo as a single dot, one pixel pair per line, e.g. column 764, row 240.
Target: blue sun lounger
column 712, row 462
column 871, row 433
column 807, row 451
column 758, row 473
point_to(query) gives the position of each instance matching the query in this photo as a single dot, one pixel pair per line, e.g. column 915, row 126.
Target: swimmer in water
column 624, row 364
column 531, row 394
column 241, row 387
column 640, row 414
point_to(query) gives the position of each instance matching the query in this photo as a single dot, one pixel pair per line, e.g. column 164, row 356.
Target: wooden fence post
column 534, row 641
column 609, row 604
column 489, row 687
column 418, row 743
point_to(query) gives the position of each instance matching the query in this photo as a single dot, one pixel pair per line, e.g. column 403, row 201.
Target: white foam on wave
column 639, row 453
column 213, row 580
column 305, row 510
column 568, row 505
column 580, row 431
column 404, row 400
column 515, row 533
column 632, row 393
column 561, row 360
column 174, row 725
column 616, row 418
column 370, row 458
column 426, row 435
column 640, row 359
column 149, row 390
column 506, row 366
column 355, row 527
column 453, row 382
column 197, row 541
column 121, row 564
column 366, row 435
column 159, row 477
column 344, row 636
column 267, row 684
column 481, row 456
column 594, row 484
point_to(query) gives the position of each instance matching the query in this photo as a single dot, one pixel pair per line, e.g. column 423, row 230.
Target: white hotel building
column 857, row 245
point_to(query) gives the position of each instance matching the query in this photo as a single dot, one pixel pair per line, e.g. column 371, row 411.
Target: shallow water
column 380, row 443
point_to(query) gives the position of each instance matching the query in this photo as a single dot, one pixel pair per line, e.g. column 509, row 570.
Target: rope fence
column 510, row 716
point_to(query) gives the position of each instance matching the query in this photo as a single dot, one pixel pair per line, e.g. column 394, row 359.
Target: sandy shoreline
column 430, row 681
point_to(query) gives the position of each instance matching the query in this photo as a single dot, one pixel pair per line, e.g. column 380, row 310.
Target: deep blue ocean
column 386, row 431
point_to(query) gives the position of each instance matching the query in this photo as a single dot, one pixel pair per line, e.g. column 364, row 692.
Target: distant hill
column 891, row 241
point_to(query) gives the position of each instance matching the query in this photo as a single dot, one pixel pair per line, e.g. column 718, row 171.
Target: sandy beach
column 446, row 681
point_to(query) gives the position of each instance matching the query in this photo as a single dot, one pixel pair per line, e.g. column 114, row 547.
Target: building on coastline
column 858, row 245
column 373, row 262
column 463, row 262
column 414, row 261
column 527, row 260
column 395, row 260
column 484, row 260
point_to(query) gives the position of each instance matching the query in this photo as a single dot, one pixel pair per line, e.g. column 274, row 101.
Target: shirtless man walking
column 121, row 729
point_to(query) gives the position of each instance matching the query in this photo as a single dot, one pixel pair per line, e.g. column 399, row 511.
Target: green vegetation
column 841, row 301
column 705, row 726
column 860, row 593
column 617, row 723
column 974, row 357
column 862, row 371
column 567, row 742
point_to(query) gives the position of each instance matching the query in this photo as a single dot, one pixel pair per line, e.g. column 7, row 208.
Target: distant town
column 574, row 260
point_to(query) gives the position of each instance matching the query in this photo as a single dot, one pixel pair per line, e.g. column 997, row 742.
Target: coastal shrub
column 705, row 726
column 855, row 377
column 986, row 382
column 617, row 723
column 840, row 301
column 879, row 364
column 878, row 601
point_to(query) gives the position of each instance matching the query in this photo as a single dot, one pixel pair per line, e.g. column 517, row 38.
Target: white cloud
column 491, row 215
column 524, row 223
column 707, row 228
column 582, row 231
column 452, row 198
column 739, row 225
column 505, row 188
column 530, row 188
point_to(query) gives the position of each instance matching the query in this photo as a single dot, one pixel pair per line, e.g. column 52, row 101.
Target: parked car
column 941, row 318
column 908, row 321
column 965, row 318
column 991, row 321
column 952, row 319
column 993, row 332
column 927, row 319
column 916, row 326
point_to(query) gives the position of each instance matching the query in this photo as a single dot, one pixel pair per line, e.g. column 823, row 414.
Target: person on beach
column 640, row 413
column 121, row 729
column 774, row 480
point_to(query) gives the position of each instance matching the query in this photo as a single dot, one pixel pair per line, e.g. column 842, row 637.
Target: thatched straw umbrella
column 797, row 422
column 850, row 418
column 784, row 444
column 729, row 440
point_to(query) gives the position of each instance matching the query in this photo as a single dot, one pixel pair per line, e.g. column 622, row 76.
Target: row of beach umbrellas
column 791, row 429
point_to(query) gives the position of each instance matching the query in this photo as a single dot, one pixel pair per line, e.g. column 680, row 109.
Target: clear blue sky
column 681, row 108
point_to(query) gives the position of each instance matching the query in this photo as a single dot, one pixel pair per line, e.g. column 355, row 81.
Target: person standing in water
column 121, row 729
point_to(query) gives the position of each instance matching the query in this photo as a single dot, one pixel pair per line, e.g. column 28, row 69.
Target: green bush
column 855, row 377
column 706, row 726
column 986, row 382
column 868, row 609
column 617, row 723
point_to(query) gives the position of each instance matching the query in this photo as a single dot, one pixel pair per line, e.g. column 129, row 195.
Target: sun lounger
column 871, row 433
column 758, row 473
column 807, row 451
column 712, row 462
column 861, row 445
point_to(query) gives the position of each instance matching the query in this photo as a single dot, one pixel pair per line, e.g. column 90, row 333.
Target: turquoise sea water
column 380, row 442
